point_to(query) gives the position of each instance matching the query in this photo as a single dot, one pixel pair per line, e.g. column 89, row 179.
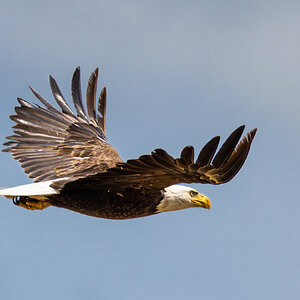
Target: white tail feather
column 33, row 190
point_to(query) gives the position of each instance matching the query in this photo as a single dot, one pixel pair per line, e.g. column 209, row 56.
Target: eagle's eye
column 193, row 193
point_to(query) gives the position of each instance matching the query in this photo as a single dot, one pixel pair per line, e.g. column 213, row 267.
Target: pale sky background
column 177, row 73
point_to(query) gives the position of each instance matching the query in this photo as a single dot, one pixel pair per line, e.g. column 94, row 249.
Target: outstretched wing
column 52, row 144
column 159, row 170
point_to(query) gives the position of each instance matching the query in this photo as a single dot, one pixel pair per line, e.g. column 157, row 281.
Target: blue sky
column 177, row 73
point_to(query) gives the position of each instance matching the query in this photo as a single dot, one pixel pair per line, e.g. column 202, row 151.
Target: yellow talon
column 33, row 204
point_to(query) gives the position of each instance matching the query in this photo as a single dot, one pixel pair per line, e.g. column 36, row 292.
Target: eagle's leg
column 29, row 203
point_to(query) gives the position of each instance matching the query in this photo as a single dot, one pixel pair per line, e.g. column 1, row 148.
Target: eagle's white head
column 179, row 197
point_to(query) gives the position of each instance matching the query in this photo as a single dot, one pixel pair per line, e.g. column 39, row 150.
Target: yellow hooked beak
column 202, row 201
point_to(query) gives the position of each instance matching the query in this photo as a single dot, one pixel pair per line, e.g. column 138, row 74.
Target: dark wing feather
column 206, row 154
column 227, row 148
column 102, row 110
column 187, row 156
column 59, row 97
column 51, row 144
column 159, row 170
column 91, row 96
column 76, row 94
column 43, row 100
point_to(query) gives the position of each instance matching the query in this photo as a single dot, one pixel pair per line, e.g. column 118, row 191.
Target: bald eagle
column 74, row 166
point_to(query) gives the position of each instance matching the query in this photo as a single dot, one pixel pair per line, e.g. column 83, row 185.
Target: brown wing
column 159, row 170
column 51, row 144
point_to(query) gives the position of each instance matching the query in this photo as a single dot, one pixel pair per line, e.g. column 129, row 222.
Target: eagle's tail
column 38, row 191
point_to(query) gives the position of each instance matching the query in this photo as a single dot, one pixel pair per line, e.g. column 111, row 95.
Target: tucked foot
column 29, row 203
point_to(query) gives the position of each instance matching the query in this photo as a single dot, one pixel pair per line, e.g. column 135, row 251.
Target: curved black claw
column 16, row 200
